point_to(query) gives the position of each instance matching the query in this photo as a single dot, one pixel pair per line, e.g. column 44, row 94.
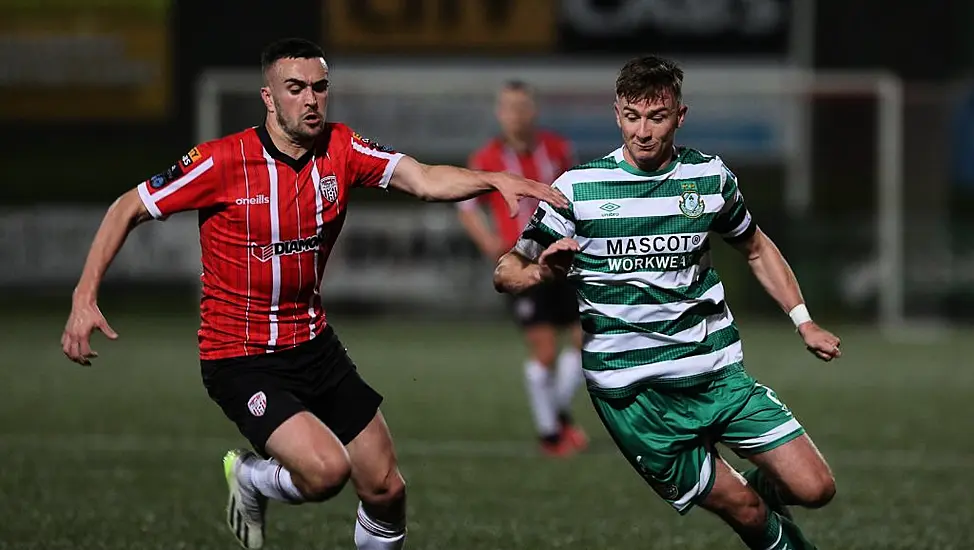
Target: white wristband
column 799, row 314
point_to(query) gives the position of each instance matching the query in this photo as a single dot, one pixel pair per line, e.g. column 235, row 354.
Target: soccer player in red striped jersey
column 271, row 202
column 551, row 377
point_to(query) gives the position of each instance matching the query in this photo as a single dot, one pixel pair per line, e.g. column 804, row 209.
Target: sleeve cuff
column 744, row 235
column 529, row 249
column 390, row 168
column 147, row 201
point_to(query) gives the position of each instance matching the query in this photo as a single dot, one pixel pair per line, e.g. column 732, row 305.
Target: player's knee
column 819, row 493
column 324, row 478
column 543, row 343
column 387, row 491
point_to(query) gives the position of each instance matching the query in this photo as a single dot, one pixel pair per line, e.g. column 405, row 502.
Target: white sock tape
column 799, row 314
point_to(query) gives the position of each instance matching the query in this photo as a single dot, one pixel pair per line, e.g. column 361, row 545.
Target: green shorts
column 669, row 435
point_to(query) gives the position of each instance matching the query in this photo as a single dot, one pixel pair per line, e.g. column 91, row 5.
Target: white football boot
column 245, row 506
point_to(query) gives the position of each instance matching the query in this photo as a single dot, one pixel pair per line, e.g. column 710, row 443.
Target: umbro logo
column 610, row 209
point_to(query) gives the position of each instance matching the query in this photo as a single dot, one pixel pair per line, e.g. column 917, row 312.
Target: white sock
column 568, row 377
column 271, row 480
column 372, row 534
column 542, row 396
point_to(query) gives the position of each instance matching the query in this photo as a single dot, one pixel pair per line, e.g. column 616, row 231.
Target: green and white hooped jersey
column 651, row 305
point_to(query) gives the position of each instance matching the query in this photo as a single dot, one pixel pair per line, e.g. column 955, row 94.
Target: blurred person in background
column 542, row 313
column 662, row 355
column 272, row 200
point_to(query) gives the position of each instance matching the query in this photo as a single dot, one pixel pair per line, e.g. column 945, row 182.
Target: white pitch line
column 515, row 449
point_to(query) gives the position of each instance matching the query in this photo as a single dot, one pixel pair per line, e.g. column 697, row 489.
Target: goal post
column 748, row 114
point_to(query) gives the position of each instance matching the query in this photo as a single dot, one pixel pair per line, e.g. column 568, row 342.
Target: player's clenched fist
column 557, row 259
column 822, row 343
column 84, row 319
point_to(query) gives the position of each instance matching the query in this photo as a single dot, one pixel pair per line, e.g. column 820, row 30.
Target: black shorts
column 259, row 392
column 553, row 303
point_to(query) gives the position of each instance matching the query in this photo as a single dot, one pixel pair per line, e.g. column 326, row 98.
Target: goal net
column 819, row 156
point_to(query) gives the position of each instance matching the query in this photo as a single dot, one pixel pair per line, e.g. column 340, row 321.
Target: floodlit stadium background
column 849, row 124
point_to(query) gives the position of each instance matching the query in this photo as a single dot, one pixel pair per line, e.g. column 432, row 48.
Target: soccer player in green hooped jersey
column 662, row 354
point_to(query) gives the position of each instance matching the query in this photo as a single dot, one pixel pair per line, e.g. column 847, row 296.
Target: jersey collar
column 661, row 171
column 297, row 164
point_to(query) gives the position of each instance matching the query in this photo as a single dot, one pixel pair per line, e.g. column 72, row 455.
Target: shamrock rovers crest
column 691, row 203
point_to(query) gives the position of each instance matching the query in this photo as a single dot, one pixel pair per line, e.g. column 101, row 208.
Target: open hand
column 513, row 187
column 820, row 342
column 84, row 319
column 557, row 259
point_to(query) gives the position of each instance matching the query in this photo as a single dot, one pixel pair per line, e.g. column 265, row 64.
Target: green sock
column 780, row 533
column 793, row 536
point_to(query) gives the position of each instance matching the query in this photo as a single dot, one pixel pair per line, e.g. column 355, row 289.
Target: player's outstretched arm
column 515, row 273
column 776, row 276
column 123, row 215
column 452, row 183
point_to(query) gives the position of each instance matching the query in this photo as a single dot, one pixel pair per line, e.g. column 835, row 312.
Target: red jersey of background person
column 267, row 225
column 550, row 156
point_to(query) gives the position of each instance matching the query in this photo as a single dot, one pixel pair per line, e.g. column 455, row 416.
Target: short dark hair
column 517, row 85
column 648, row 77
column 289, row 48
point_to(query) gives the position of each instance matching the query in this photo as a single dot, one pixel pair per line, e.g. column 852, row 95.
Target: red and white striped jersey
column 267, row 225
column 550, row 156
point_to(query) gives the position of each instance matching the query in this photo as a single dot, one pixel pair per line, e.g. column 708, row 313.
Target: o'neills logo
column 259, row 199
column 297, row 246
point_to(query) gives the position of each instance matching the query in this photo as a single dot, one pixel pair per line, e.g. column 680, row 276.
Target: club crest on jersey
column 328, row 186
column 257, row 404
column 691, row 203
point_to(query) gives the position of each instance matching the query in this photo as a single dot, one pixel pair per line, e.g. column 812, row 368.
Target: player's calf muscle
column 317, row 460
column 387, row 492
column 735, row 502
column 375, row 472
column 802, row 475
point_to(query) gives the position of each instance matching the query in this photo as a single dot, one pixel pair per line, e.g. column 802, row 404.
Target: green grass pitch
column 126, row 454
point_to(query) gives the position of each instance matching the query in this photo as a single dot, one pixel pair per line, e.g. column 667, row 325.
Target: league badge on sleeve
column 372, row 144
column 328, row 186
column 159, row 181
column 535, row 220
